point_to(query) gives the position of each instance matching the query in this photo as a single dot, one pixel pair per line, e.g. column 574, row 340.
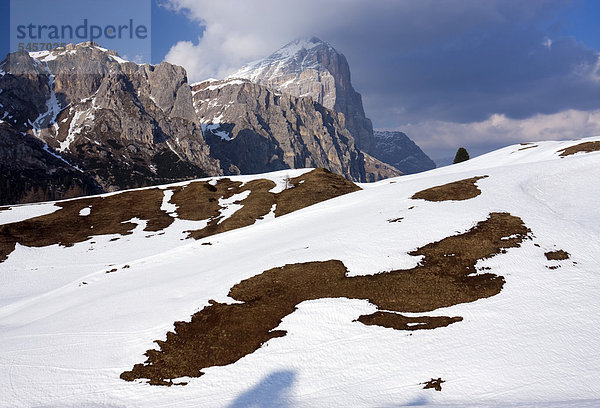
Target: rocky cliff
column 126, row 125
column 311, row 67
column 30, row 172
column 401, row 152
column 252, row 129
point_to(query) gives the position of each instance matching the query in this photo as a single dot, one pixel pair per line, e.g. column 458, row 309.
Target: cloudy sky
column 479, row 73
column 475, row 73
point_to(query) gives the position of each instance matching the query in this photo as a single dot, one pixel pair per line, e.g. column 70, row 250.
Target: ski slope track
column 514, row 325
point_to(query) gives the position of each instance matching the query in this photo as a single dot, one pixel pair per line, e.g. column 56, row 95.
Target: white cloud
column 237, row 32
column 547, row 43
column 441, row 138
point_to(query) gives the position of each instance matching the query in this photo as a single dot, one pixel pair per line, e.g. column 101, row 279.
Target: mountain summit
column 311, row 67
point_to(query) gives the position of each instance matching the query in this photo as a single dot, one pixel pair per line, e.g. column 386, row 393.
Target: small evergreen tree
column 461, row 155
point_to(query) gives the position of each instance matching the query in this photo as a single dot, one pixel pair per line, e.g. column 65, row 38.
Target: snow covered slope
column 535, row 343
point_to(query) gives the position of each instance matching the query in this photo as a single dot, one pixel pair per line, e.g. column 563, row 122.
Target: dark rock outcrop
column 30, row 172
column 401, row 152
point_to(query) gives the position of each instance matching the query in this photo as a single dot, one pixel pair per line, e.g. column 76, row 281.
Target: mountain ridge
column 397, row 149
column 252, row 129
column 127, row 125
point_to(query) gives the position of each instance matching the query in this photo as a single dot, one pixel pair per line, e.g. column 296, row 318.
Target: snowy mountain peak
column 311, row 67
column 71, row 49
column 301, row 45
column 295, row 57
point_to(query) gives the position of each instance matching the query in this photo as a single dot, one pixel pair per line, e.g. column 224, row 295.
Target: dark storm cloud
column 463, row 64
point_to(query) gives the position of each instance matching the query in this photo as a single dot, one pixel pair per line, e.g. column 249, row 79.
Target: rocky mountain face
column 311, row 67
column 376, row 170
column 401, row 152
column 124, row 124
column 252, row 129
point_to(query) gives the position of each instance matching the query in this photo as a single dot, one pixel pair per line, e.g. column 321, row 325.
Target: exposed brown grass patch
column 435, row 384
column 586, row 147
column 109, row 215
column 312, row 188
column 258, row 204
column 199, row 200
column 221, row 334
column 457, row 191
column 196, row 201
column 400, row 322
column 528, row 147
column 306, row 190
column 559, row 255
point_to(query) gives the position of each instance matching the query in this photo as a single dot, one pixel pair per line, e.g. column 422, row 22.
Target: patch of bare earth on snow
column 586, row 147
column 196, row 201
column 221, row 334
column 456, row 191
